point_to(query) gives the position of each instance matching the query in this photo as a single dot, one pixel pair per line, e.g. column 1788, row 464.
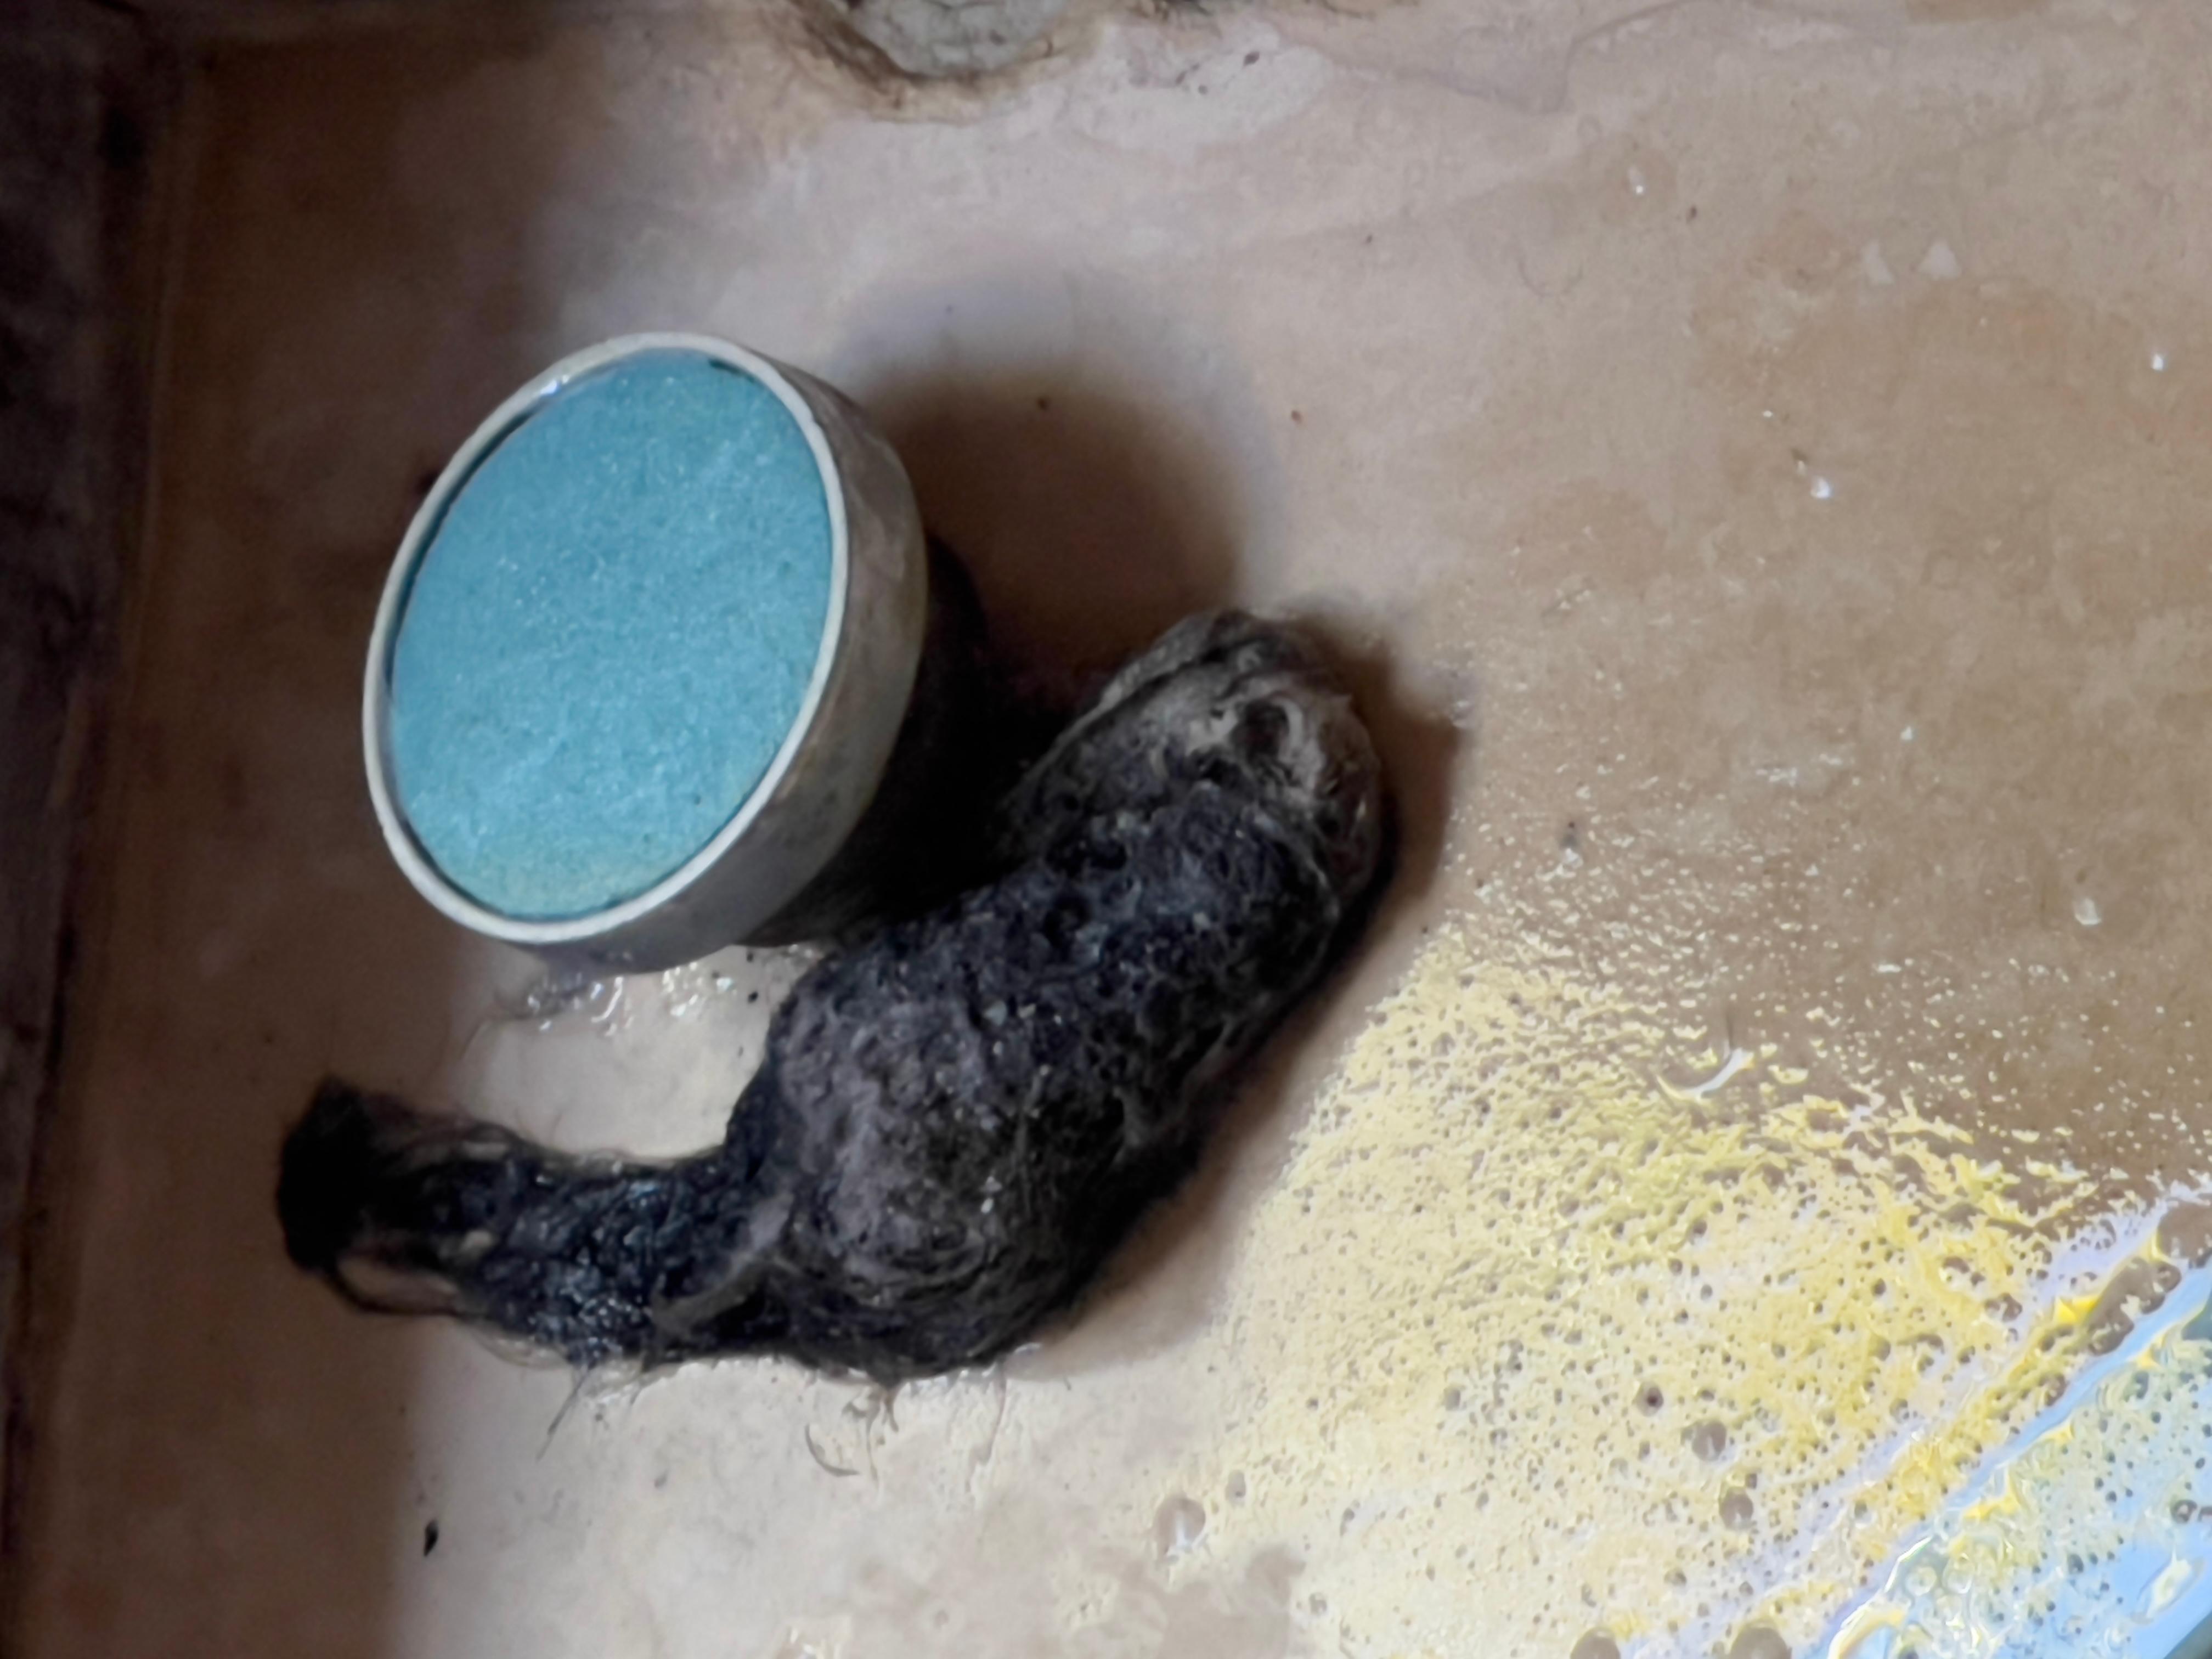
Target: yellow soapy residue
column 1545, row 1340
column 2086, row 1538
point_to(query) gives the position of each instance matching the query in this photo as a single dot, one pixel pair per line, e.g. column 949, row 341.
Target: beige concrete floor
column 1759, row 454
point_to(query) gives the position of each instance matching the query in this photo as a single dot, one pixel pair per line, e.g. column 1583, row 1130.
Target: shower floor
column 1756, row 460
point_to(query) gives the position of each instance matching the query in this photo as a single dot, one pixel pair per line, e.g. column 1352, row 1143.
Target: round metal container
column 822, row 780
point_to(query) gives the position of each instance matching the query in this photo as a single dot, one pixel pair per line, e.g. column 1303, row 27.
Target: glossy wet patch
column 2090, row 1536
column 1659, row 1360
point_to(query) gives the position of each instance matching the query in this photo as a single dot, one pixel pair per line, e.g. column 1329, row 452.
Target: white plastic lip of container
column 826, row 772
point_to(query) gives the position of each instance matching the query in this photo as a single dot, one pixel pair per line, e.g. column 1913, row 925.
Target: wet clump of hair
column 956, row 1117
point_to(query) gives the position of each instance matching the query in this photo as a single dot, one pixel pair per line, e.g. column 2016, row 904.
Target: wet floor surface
column 1756, row 460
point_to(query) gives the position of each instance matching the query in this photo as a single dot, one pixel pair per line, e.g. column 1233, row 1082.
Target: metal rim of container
column 399, row 833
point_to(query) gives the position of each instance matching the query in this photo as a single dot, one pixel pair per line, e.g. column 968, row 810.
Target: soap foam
column 2086, row 1535
column 1548, row 1355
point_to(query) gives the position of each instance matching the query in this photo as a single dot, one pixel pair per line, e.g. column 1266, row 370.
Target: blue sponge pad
column 609, row 636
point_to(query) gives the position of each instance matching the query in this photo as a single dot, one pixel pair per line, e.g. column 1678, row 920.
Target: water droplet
column 1939, row 264
column 2085, row 911
column 1758, row 1642
column 1735, row 1510
column 2158, row 362
column 1709, row 1440
column 1822, row 489
column 1178, row 1526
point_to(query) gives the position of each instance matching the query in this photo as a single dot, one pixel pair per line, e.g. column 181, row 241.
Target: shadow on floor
column 226, row 1461
column 1090, row 523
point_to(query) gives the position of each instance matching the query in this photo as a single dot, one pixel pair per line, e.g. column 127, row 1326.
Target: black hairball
column 956, row 1118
